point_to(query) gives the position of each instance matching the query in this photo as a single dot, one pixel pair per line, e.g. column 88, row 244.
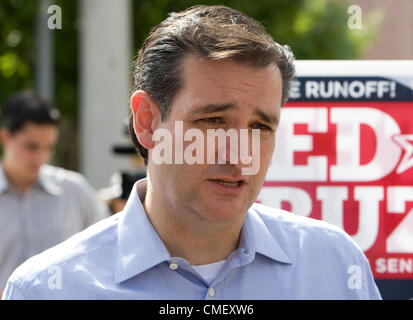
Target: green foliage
column 18, row 52
column 16, row 46
column 314, row 29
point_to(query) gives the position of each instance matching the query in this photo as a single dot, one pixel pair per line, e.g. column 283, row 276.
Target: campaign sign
column 344, row 154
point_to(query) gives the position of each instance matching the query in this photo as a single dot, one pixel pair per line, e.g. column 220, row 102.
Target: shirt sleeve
column 368, row 289
column 12, row 292
column 371, row 291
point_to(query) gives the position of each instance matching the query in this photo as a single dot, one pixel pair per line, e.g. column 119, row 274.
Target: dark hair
column 27, row 106
column 213, row 32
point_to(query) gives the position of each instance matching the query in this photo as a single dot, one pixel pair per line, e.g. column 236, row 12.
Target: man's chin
column 224, row 211
column 32, row 173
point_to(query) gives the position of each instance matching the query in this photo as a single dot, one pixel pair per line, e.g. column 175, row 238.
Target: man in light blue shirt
column 191, row 230
column 279, row 256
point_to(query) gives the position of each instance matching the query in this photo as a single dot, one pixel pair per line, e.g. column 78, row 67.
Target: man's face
column 28, row 149
column 219, row 94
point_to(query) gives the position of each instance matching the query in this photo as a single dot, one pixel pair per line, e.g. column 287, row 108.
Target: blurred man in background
column 40, row 205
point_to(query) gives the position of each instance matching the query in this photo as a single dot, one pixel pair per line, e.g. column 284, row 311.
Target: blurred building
column 395, row 37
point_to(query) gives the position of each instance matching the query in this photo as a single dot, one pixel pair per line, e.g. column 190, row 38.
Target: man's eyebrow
column 212, row 108
column 267, row 117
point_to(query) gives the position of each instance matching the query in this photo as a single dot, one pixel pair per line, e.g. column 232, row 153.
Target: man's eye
column 31, row 147
column 262, row 127
column 212, row 120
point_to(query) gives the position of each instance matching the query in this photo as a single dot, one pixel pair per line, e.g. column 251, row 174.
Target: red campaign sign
column 350, row 164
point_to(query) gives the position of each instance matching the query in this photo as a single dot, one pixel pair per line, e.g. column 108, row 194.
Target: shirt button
column 173, row 266
column 245, row 251
column 211, row 292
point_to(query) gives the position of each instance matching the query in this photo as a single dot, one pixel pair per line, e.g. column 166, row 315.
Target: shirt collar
column 4, row 183
column 140, row 247
column 259, row 238
column 44, row 182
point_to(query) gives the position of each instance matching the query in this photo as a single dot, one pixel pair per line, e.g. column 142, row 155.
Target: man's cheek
column 267, row 150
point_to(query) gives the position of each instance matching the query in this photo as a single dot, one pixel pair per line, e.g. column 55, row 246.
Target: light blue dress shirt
column 280, row 256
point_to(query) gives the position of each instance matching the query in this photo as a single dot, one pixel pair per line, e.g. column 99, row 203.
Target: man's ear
column 146, row 115
column 4, row 136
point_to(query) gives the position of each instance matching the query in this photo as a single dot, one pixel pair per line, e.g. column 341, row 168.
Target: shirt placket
column 25, row 215
column 237, row 259
column 183, row 267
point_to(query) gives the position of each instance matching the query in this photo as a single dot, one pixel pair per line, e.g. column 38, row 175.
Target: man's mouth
column 234, row 186
column 227, row 183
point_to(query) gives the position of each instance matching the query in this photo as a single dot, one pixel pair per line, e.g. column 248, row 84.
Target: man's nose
column 242, row 151
column 237, row 148
column 42, row 156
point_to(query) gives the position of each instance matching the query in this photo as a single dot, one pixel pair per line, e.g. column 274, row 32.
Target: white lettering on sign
column 368, row 198
column 288, row 143
column 300, row 156
column 348, row 167
column 299, row 200
column 348, row 121
column 355, row 89
column 295, row 90
column 394, row 265
column 401, row 239
column 332, row 199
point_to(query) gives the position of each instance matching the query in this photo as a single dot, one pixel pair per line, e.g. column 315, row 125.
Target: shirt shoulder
column 289, row 219
column 63, row 177
column 321, row 253
column 75, row 257
column 300, row 235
